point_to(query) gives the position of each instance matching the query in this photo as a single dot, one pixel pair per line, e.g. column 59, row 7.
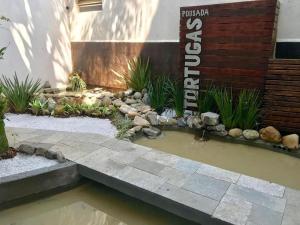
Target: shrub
column 37, row 106
column 138, row 76
column 3, row 139
column 177, row 97
column 224, row 102
column 206, row 101
column 19, row 94
column 159, row 92
column 76, row 82
column 247, row 110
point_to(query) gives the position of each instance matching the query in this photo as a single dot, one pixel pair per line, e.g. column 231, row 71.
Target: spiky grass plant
column 76, row 82
column 138, row 75
column 224, row 101
column 206, row 101
column 19, row 93
column 159, row 92
column 3, row 139
column 177, row 97
column 37, row 106
column 247, row 110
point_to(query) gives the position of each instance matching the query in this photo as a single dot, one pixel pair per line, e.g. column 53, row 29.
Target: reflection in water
column 252, row 161
column 89, row 204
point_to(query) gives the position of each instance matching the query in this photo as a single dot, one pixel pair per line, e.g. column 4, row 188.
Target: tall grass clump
column 138, row 75
column 19, row 93
column 247, row 110
column 225, row 105
column 206, row 100
column 76, row 82
column 177, row 97
column 159, row 92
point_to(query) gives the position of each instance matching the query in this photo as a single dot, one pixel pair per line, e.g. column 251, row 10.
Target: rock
column 218, row 128
column 194, row 122
column 169, row 113
column 130, row 101
column 59, row 110
column 181, row 122
column 27, row 149
column 60, row 157
column 132, row 114
column 128, row 92
column 151, row 132
column 291, row 141
column 106, row 101
column 137, row 128
column 126, row 109
column 270, row 134
column 118, row 102
column 250, row 134
column 139, row 121
column 119, row 95
column 223, row 133
column 210, row 119
column 152, row 118
column 41, row 152
column 143, row 108
column 51, row 104
column 47, row 84
column 171, row 122
column 236, row 132
column 52, row 90
column 89, row 100
column 146, row 99
column 162, row 120
column 137, row 95
column 50, row 154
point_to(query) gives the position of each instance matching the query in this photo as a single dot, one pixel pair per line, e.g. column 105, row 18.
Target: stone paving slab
column 193, row 190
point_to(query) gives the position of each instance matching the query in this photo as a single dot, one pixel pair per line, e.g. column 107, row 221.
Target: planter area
column 135, row 116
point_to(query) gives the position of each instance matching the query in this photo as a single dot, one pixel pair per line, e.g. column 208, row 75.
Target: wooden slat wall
column 237, row 41
column 282, row 95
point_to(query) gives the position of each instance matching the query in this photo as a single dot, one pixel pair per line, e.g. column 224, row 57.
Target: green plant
column 37, row 106
column 247, row 109
column 76, row 82
column 206, row 101
column 19, row 94
column 3, row 139
column 177, row 97
column 224, row 102
column 138, row 75
column 122, row 124
column 159, row 92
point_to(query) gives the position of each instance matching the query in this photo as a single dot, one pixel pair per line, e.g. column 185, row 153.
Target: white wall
column 38, row 39
column 158, row 20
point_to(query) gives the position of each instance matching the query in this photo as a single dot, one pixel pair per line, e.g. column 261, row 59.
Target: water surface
column 257, row 162
column 89, row 204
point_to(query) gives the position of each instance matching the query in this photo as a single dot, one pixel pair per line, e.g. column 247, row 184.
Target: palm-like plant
column 19, row 94
column 138, row 75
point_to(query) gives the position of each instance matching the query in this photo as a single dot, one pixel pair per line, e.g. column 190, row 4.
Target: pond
column 91, row 204
column 252, row 161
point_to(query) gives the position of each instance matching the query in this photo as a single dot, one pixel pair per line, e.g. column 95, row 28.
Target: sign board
column 227, row 44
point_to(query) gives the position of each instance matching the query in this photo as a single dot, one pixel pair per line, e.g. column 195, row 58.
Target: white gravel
column 23, row 163
column 73, row 124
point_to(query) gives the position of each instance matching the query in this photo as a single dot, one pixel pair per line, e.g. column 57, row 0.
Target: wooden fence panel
column 281, row 107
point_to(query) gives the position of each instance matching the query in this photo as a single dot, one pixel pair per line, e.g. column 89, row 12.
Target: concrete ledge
column 150, row 197
column 15, row 188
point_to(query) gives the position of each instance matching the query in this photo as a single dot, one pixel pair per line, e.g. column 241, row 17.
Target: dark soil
column 11, row 153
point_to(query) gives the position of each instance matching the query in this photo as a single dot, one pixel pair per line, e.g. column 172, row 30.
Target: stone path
column 193, row 190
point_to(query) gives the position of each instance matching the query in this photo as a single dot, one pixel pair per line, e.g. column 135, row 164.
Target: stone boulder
column 194, row 122
column 106, row 101
column 128, row 92
column 132, row 114
column 137, row 95
column 181, row 122
column 146, row 99
column 118, row 102
column 151, row 132
column 126, row 109
column 235, row 132
column 210, row 119
column 51, row 104
column 152, row 118
column 217, row 128
column 130, row 101
column 251, row 134
column 270, row 134
column 27, row 149
column 291, row 141
column 139, row 121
